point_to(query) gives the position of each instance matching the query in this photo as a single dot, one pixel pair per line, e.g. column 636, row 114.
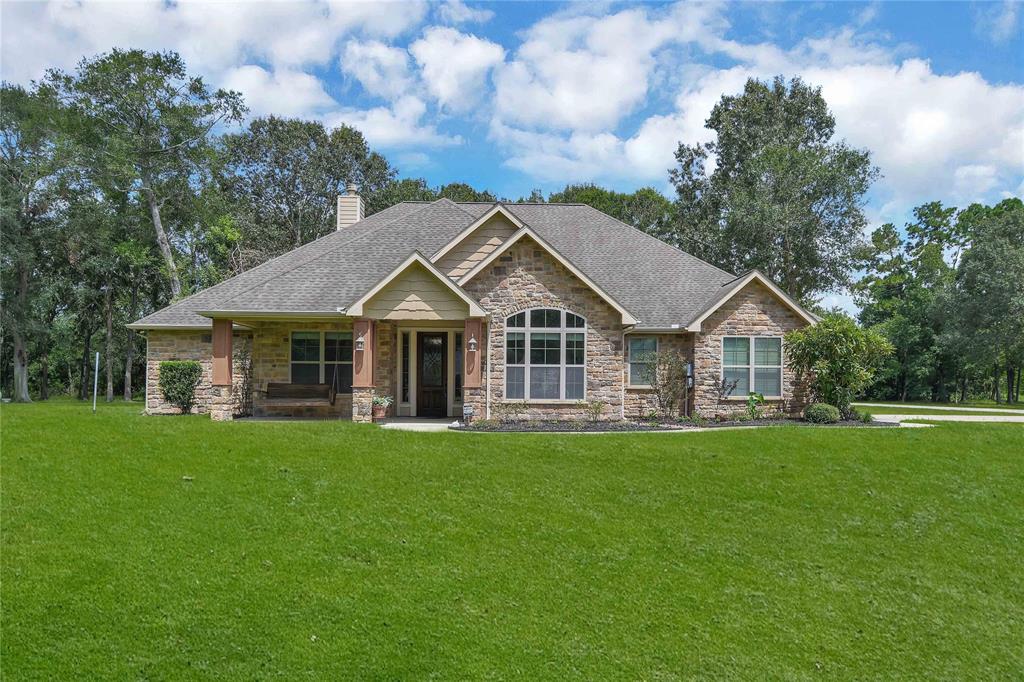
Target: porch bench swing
column 299, row 395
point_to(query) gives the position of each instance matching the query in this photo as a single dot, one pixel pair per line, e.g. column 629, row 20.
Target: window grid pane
column 742, row 377
column 768, row 380
column 544, row 349
column 515, row 383
column 544, row 383
column 574, row 383
column 768, row 352
column 517, row 320
column 574, row 349
column 305, row 373
column 735, row 351
column 306, row 347
column 515, row 348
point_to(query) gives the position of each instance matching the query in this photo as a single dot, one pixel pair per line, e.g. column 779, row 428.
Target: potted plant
column 381, row 403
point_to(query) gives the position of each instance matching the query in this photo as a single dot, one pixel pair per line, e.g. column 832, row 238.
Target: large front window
column 761, row 369
column 545, row 355
column 322, row 358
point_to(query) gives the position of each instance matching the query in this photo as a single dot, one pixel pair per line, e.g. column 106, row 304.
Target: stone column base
column 222, row 404
column 474, row 398
column 362, row 405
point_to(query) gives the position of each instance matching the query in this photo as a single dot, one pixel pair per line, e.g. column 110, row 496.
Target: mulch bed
column 627, row 426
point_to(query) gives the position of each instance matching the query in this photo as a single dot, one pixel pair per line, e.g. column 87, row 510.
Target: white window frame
column 561, row 331
column 323, row 349
column 629, row 357
column 752, row 365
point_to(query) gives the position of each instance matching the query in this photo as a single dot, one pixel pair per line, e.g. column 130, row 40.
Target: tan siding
column 477, row 246
column 416, row 295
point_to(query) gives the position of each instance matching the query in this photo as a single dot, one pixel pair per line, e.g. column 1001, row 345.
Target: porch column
column 221, row 401
column 473, row 335
column 472, row 370
column 364, row 344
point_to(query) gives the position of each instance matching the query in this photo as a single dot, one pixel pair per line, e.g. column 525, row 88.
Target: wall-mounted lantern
column 360, row 342
column 472, row 344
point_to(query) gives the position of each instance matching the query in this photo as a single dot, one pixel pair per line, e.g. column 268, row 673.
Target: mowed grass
column 175, row 548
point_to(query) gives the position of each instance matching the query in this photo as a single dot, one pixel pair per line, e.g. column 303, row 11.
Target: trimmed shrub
column 821, row 413
column 178, row 382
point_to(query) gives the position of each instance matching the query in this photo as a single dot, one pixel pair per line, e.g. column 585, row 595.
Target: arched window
column 545, row 355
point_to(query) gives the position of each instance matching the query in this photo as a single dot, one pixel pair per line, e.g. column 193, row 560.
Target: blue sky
column 515, row 96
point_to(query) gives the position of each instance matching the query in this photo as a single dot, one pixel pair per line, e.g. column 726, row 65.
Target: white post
column 95, row 381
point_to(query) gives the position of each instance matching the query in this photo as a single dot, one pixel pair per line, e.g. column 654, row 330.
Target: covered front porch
column 416, row 338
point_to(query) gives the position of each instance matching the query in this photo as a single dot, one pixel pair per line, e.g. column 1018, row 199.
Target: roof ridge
column 660, row 241
column 324, row 253
column 455, row 204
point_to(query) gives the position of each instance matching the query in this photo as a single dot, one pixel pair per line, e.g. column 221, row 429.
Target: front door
column 432, row 383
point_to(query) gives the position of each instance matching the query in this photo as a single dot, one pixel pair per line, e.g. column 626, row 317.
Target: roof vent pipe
column 350, row 206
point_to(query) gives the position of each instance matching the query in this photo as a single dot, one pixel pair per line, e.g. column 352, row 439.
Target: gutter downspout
column 487, row 396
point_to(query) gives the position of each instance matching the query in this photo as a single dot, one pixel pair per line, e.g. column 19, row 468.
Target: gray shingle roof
column 659, row 284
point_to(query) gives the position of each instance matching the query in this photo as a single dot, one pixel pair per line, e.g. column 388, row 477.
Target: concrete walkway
column 417, row 424
column 910, row 408
column 900, row 418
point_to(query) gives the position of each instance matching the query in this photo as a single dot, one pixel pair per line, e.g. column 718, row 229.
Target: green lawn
column 178, row 548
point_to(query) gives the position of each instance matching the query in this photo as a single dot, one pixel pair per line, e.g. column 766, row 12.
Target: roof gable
column 732, row 288
column 525, row 231
column 405, row 293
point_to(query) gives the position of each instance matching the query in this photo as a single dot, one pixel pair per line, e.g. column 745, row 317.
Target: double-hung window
column 641, row 359
column 759, row 371
column 545, row 355
column 322, row 358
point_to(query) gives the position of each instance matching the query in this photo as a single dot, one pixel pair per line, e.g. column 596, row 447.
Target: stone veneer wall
column 640, row 401
column 526, row 276
column 753, row 311
column 271, row 363
column 191, row 345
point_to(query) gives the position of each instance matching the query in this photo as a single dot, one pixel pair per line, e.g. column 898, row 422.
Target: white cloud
column 997, row 22
column 381, row 69
column 455, row 65
column 932, row 135
column 284, row 92
column 400, row 125
column 457, row 12
column 211, row 36
column 581, row 72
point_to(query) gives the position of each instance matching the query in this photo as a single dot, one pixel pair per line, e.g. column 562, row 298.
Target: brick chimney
column 350, row 206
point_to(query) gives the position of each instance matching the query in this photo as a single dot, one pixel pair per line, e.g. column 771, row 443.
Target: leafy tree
column 285, row 176
column 397, row 191
column 145, row 123
column 646, row 209
column 784, row 197
column 838, row 358
column 988, row 291
column 28, row 192
column 460, row 191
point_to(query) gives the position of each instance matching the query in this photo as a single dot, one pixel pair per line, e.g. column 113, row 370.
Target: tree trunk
column 995, row 382
column 83, row 390
column 1009, row 383
column 108, row 351
column 20, row 369
column 129, row 356
column 44, row 374
column 161, row 236
column 20, row 388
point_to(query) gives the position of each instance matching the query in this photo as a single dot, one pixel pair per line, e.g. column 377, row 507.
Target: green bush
column 821, row 413
column 838, row 357
column 178, row 381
